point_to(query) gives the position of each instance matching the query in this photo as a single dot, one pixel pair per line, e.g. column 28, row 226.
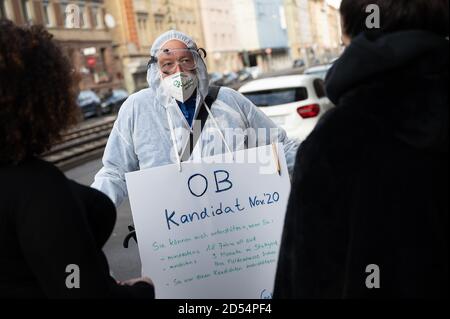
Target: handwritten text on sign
column 212, row 230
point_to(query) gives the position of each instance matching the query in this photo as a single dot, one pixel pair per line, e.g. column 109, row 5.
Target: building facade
column 80, row 28
column 262, row 33
column 220, row 34
column 114, row 52
column 272, row 33
column 185, row 16
column 334, row 28
column 314, row 30
column 140, row 22
column 326, row 38
column 132, row 38
column 299, row 26
column 246, row 24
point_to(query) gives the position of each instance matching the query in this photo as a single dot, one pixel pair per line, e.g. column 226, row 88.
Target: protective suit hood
column 153, row 73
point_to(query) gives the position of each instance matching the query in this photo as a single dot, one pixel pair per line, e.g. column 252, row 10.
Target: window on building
column 81, row 15
column 94, row 11
column 2, row 9
column 83, row 19
column 48, row 14
column 70, row 14
column 27, row 11
column 144, row 24
column 144, row 37
column 84, row 16
column 45, row 13
column 159, row 22
column 63, row 7
column 97, row 21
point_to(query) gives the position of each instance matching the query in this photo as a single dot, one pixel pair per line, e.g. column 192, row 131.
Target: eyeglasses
column 168, row 59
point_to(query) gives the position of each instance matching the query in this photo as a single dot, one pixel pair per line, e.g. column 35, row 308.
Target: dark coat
column 371, row 181
column 48, row 222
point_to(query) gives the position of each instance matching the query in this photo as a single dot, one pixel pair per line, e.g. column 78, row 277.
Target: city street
column 274, row 151
column 124, row 263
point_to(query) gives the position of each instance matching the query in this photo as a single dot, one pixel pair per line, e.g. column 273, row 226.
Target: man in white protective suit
column 154, row 125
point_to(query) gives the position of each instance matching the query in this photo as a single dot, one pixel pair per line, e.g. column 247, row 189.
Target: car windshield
column 120, row 94
column 87, row 97
column 277, row 96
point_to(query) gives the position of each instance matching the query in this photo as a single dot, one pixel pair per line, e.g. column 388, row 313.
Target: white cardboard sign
column 212, row 230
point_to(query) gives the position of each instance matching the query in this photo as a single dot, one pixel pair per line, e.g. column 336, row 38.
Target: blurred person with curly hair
column 49, row 226
column 368, row 210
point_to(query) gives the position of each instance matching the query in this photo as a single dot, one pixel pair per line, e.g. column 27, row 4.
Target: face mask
column 181, row 85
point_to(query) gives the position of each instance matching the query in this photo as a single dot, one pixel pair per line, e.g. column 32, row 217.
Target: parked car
column 255, row 71
column 319, row 70
column 90, row 103
column 294, row 102
column 299, row 63
column 230, row 78
column 244, row 75
column 215, row 78
column 113, row 102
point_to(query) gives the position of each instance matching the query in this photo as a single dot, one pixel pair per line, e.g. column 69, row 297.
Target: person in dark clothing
column 368, row 212
column 52, row 230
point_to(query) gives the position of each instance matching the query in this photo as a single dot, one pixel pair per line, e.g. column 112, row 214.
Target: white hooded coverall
column 141, row 137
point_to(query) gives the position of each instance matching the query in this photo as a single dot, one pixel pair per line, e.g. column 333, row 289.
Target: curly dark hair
column 37, row 92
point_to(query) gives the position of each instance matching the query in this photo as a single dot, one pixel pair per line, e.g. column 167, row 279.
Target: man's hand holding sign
column 212, row 230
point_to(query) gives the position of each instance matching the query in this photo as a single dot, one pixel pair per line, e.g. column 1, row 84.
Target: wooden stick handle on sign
column 277, row 159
